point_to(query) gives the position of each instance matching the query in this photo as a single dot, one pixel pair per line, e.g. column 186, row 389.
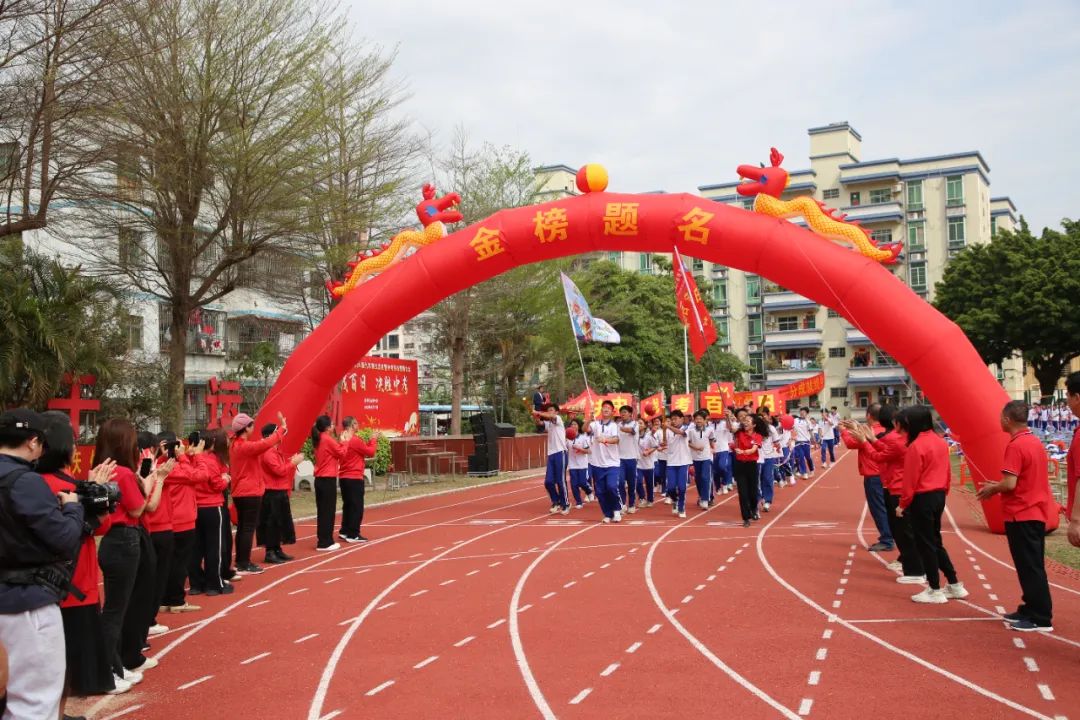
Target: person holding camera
column 40, row 531
column 248, row 484
column 275, row 516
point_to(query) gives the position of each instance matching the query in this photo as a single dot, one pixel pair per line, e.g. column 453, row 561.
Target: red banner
column 381, row 393
column 715, row 403
column 727, row 389
column 683, row 402
column 652, row 406
column 770, row 399
column 802, row 388
column 692, row 312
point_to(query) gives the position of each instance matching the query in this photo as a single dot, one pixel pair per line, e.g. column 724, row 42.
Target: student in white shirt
column 1044, row 419
column 579, row 463
column 1055, row 418
column 722, row 430
column 827, row 439
column 1033, row 417
column 628, row 456
column 767, row 459
column 555, row 478
column 784, row 464
column 646, row 462
column 834, row 420
column 659, row 428
column 700, row 442
column 802, row 431
column 605, row 439
column 678, row 464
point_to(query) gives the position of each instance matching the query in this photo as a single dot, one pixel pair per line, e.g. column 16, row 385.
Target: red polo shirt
column 926, row 467
column 1026, row 458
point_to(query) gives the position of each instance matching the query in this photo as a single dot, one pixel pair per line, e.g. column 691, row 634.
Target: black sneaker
column 195, row 591
column 880, row 547
column 281, row 555
column 746, row 523
column 1014, row 616
column 272, row 558
column 361, row 538
column 1025, row 625
column 250, row 568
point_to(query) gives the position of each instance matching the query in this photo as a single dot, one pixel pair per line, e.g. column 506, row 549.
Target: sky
column 674, row 94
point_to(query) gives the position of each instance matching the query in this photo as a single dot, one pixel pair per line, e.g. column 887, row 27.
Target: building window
column 205, row 331
column 132, row 326
column 862, row 399
column 881, row 236
column 918, row 276
column 719, row 291
column 748, row 203
column 837, row 352
column 956, row 231
column 722, row 331
column 129, row 247
column 645, row 262
column 753, row 289
column 881, row 195
column 392, row 342
column 831, row 194
column 754, row 325
column 838, row 393
column 856, row 198
column 756, row 363
column 993, row 226
column 787, row 322
column 914, row 195
column 954, row 190
column 615, row 257
column 832, row 313
column 697, row 265
column 916, row 236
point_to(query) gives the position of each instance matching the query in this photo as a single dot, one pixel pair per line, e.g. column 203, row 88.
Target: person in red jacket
column 871, row 474
column 247, row 483
column 275, row 516
column 1072, row 461
column 89, row 665
column 927, row 476
column 351, row 475
column 1027, row 503
column 328, row 455
column 746, row 443
column 206, row 571
column 158, row 522
column 180, row 484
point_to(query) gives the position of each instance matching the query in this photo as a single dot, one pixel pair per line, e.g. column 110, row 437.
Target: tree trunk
column 1048, row 371
column 457, row 381
column 560, row 378
column 173, row 415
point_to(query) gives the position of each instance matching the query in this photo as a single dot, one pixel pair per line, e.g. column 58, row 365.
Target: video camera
column 97, row 499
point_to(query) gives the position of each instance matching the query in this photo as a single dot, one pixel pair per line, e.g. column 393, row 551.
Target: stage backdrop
column 382, row 394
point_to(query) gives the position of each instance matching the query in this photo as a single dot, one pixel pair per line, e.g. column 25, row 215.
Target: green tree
column 256, row 370
column 1018, row 293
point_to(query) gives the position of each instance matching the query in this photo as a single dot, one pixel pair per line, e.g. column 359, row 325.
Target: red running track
column 480, row 604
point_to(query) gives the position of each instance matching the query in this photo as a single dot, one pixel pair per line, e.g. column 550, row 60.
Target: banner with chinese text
column 381, row 393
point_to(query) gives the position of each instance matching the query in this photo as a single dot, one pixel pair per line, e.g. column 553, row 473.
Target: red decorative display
column 75, row 403
column 222, row 402
column 381, row 394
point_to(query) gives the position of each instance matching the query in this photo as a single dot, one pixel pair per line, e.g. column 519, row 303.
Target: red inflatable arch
column 932, row 348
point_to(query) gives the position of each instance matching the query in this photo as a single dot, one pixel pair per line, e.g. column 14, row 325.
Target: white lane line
column 496, row 624
column 1019, row 642
column 361, row 572
column 523, row 608
column 1045, row 691
column 418, row 593
column 297, row 592
column 193, row 683
column 497, row 563
column 515, row 557
column 305, row 638
column 464, row 641
column 840, row 591
column 711, row 578
column 589, row 574
column 346, row 621
column 609, row 669
column 805, row 705
column 836, row 603
column 415, row 555
column 605, row 566
column 730, row 559
column 986, row 586
column 331, row 580
column 815, row 678
column 1000, row 610
column 331, row 715
column 580, row 696
column 821, row 653
column 257, row 604
column 1032, row 666
column 722, row 568
column 471, row 573
column 122, row 713
column 739, row 551
column 687, row 599
column 252, row 659
column 981, row 576
column 699, row 588
column 425, row 662
column 633, row 648
column 620, row 557
column 843, row 581
column 390, row 604
column 570, row 584
column 633, row 550
column 993, row 597
column 654, row 628
column 826, row 635
column 451, row 581
column 379, row 688
column 549, row 595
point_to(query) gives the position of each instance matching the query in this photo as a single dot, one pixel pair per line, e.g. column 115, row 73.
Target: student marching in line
column 659, row 432
column 927, row 476
column 784, row 464
column 721, row 470
column 678, row 463
column 1027, row 504
column 767, row 459
column 555, row 477
column 605, row 443
column 828, row 441
column 746, row 444
column 578, row 449
column 1033, row 417
column 700, row 440
column 1044, row 419
column 802, row 431
column 628, row 458
column 645, row 464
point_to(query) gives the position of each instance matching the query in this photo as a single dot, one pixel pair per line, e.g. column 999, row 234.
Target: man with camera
column 39, row 533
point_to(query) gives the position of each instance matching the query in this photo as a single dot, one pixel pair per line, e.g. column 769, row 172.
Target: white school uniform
column 556, row 435
column 722, row 436
column 678, row 450
column 703, row 437
column 606, row 454
column 579, row 461
column 802, row 430
column 646, row 442
column 628, row 441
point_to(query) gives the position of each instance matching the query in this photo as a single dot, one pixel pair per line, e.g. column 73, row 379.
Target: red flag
column 701, row 331
column 652, row 406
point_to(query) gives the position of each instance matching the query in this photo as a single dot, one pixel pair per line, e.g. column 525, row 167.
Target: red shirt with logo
column 1025, row 458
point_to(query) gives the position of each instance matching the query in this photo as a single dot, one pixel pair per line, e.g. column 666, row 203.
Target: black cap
column 22, row 419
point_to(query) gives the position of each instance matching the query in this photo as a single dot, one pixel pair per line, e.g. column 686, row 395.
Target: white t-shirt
column 604, row 454
column 703, row 438
column 827, row 426
column 801, row 430
column 579, row 461
column 647, row 442
column 722, row 435
column 834, row 418
column 660, row 454
column 1033, row 415
column 770, row 444
column 785, row 441
column 678, row 450
column 628, row 441
column 1044, row 415
column 1055, row 414
column 556, row 435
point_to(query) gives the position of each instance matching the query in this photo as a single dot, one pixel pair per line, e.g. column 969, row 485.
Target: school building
column 937, row 205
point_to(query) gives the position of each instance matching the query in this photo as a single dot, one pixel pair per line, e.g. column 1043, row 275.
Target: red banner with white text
column 381, row 393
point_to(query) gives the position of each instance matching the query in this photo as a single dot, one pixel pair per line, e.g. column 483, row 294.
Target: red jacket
column 1072, row 471
column 181, row 486
column 328, row 455
column 745, row 441
column 352, row 465
column 888, row 454
column 160, row 519
column 278, row 471
column 867, row 467
column 208, row 493
column 247, row 475
column 926, row 467
column 86, row 565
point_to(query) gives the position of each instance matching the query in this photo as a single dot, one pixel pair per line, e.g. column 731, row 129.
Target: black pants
column 1027, row 545
column 352, row 506
column 164, row 548
column 183, row 545
column 143, row 605
column 118, row 556
column 247, row 519
column 746, row 480
column 205, row 568
column 275, row 521
column 903, row 536
column 227, row 571
column 926, row 510
column 325, row 509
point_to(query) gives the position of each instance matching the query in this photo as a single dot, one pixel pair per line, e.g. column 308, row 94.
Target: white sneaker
column 793, row 480
column 766, row 507
column 617, row 517
column 726, row 490
column 157, row 629
column 606, row 520
column 667, row 501
column 133, row 676
column 590, row 498
column 930, row 597
column 120, row 686
column 328, row 548
column 956, row 591
column 895, row 565
column 911, row 579
column 682, row 514
column 624, row 507
column 553, row 509
column 578, row 506
column 632, row 509
column 674, row 511
column 148, row 664
column 647, row 504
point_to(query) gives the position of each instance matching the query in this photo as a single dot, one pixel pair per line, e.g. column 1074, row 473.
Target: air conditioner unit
column 898, row 188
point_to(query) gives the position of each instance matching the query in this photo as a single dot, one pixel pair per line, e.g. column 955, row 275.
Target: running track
column 480, row 604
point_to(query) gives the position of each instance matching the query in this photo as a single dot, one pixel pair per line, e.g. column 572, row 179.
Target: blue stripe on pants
column 607, row 489
column 676, row 483
column 579, row 481
column 766, row 478
column 555, row 480
column 722, row 469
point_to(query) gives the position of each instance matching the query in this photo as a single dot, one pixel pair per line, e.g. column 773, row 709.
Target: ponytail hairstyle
column 322, row 424
column 886, row 415
column 918, row 419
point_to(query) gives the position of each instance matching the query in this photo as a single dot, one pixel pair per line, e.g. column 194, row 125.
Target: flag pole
column 686, row 358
